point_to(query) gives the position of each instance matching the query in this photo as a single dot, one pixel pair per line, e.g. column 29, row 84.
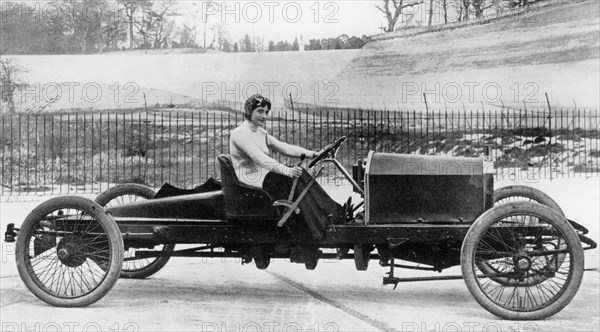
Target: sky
column 285, row 20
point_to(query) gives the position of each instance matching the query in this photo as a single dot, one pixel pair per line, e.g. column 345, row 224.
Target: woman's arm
column 289, row 149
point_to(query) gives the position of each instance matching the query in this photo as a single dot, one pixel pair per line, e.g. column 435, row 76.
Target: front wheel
column 533, row 249
column 512, row 194
column 143, row 267
column 69, row 252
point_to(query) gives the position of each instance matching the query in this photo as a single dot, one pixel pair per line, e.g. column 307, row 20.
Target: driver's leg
column 318, row 198
column 278, row 186
column 315, row 207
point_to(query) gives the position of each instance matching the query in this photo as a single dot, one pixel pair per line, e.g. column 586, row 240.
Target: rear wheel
column 69, row 252
column 536, row 253
column 135, row 268
column 524, row 194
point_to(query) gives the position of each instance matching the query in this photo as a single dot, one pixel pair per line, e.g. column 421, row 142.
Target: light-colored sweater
column 250, row 146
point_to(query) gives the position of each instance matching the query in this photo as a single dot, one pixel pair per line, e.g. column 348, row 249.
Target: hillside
column 511, row 61
column 201, row 77
column 553, row 49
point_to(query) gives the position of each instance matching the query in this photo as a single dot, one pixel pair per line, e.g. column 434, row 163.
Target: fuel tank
column 402, row 188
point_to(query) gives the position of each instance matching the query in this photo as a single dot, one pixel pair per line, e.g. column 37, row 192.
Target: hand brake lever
column 302, row 157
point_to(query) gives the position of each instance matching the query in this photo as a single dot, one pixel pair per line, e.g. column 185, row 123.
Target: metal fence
column 80, row 153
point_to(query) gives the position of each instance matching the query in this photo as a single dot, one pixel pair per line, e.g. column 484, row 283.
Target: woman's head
column 254, row 102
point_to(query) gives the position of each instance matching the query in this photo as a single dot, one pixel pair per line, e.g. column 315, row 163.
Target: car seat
column 241, row 200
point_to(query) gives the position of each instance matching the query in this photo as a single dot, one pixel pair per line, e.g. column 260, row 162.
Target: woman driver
column 250, row 145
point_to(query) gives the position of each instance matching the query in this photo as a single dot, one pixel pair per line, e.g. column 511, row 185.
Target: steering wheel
column 327, row 150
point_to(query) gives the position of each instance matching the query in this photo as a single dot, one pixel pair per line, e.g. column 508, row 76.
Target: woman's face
column 259, row 116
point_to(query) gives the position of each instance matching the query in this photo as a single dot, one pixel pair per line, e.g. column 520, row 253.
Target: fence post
column 548, row 147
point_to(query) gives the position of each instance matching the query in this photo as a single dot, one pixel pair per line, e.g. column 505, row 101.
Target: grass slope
column 202, row 77
column 554, row 49
column 511, row 61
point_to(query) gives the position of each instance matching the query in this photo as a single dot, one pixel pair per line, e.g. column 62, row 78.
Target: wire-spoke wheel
column 143, row 267
column 512, row 194
column 533, row 250
column 69, row 252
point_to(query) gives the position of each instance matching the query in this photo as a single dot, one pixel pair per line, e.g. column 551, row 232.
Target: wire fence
column 80, row 153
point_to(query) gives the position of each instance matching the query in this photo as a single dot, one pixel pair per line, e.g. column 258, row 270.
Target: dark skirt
column 317, row 208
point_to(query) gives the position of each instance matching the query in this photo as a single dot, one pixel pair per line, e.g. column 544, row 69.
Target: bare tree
column 430, row 13
column 163, row 22
column 247, row 44
column 83, row 23
column 132, row 10
column 258, row 42
column 480, row 6
column 393, row 9
column 112, row 28
column 9, row 82
column 452, row 7
column 444, row 4
column 214, row 9
column 143, row 25
column 220, row 35
column 186, row 36
column 465, row 9
column 155, row 23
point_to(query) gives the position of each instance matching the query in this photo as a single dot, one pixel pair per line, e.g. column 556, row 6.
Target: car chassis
column 520, row 257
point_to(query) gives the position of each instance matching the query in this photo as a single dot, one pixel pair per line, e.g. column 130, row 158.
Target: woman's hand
column 294, row 172
column 316, row 153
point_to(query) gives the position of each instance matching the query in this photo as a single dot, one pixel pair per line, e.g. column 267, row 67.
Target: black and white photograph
column 299, row 165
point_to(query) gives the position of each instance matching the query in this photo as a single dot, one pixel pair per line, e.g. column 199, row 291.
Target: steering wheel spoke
column 330, row 149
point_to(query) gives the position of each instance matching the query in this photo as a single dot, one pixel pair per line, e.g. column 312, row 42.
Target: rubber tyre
column 115, row 250
column 144, row 192
column 553, row 217
column 526, row 192
column 311, row 258
column 133, row 189
column 262, row 258
column 362, row 255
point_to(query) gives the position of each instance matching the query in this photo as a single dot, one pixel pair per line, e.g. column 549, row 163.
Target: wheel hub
column 71, row 251
column 522, row 263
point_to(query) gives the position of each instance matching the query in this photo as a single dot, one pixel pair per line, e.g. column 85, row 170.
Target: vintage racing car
column 520, row 257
